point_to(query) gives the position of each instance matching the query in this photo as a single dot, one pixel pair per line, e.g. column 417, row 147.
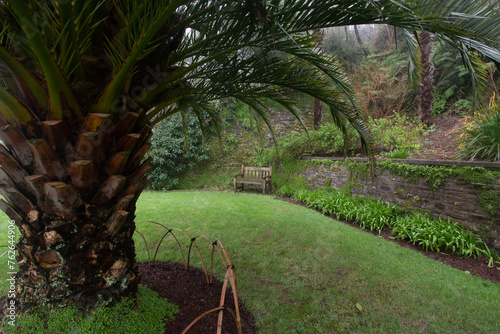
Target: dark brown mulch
column 474, row 266
column 188, row 289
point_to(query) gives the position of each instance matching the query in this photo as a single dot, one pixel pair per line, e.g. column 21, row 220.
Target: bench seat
column 254, row 175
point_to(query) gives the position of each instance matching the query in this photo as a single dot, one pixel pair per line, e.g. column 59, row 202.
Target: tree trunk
column 390, row 35
column 426, row 92
column 360, row 42
column 318, row 106
column 73, row 198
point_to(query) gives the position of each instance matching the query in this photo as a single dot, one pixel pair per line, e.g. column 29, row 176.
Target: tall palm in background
column 426, row 85
column 317, row 106
column 465, row 15
column 84, row 82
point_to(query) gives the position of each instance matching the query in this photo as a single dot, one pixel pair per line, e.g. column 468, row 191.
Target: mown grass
column 301, row 272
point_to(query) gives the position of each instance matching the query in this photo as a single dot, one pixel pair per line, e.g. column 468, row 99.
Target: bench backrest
column 257, row 173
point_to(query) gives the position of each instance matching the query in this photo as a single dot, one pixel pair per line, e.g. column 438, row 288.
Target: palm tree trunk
column 426, row 93
column 75, row 210
column 318, row 106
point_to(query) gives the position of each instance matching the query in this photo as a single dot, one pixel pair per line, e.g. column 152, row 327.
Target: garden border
column 467, row 198
column 495, row 166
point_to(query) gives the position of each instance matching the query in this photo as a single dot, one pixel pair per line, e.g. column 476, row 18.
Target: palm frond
column 27, row 87
column 115, row 88
column 70, row 53
column 60, row 95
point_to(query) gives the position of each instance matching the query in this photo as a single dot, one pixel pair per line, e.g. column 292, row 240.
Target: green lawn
column 301, row 272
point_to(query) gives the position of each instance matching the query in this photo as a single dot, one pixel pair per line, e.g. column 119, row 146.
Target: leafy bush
column 462, row 106
column 481, row 137
column 401, row 153
column 439, row 105
column 452, row 80
column 170, row 155
column 397, row 133
column 264, row 156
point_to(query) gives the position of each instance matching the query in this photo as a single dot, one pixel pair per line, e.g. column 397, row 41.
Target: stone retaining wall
column 454, row 199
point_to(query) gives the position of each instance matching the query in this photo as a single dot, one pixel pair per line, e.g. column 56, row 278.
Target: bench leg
column 235, row 186
column 264, row 189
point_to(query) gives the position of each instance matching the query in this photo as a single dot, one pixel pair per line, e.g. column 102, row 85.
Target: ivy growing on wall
column 479, row 178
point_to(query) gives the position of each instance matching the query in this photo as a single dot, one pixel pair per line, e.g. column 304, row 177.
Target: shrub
column 480, row 138
column 452, row 82
column 397, row 133
column 401, row 153
column 171, row 156
column 285, row 191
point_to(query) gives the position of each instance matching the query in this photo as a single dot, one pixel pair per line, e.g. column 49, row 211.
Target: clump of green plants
column 285, row 191
column 438, row 234
column 480, row 138
column 453, row 86
column 462, row 106
column 147, row 316
column 289, row 175
column 430, row 233
column 369, row 214
column 400, row 153
column 397, row 135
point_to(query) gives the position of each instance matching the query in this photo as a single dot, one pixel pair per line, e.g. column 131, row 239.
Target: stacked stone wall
column 454, row 199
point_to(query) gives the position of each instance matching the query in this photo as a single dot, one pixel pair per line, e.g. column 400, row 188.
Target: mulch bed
column 188, row 289
column 190, row 292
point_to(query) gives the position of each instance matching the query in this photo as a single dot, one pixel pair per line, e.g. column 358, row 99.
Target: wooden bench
column 254, row 175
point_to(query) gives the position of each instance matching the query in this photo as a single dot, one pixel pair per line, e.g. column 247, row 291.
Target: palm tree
column 468, row 15
column 317, row 106
column 426, row 89
column 84, row 82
